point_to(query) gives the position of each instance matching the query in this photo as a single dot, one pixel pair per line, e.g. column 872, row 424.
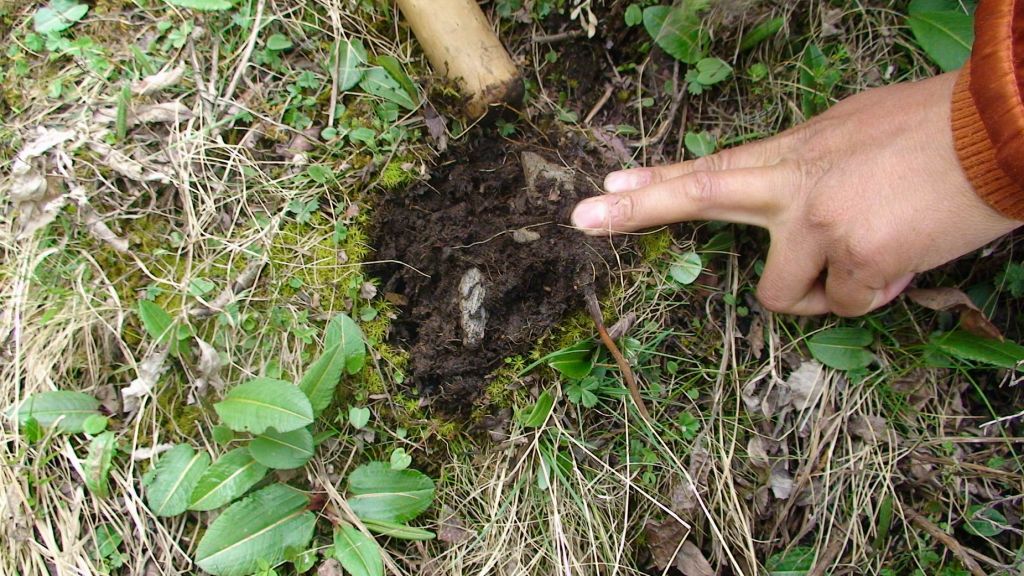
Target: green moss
column 397, row 173
column 653, row 246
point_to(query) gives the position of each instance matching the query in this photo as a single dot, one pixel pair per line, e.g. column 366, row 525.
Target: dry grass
column 594, row 491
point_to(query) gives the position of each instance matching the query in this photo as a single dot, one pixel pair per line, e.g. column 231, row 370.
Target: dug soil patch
column 489, row 262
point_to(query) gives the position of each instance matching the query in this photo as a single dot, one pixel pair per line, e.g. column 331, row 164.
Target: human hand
column 856, row 201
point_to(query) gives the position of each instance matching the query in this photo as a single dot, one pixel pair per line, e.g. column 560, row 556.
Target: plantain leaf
column 177, row 473
column 228, row 478
column 97, row 464
column 537, row 414
column 378, row 82
column 400, row 531
column 321, row 378
column 344, row 331
column 574, row 362
column 967, row 346
column 263, row 403
column 678, row 30
column 358, row 554
column 156, row 321
column 376, row 492
column 761, row 32
column 842, row 348
column 351, row 61
column 260, row 529
column 395, row 69
column 283, row 450
column 943, row 30
column 58, row 15
column 65, row 410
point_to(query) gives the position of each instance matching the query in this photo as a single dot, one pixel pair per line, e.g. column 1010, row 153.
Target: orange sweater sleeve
column 988, row 107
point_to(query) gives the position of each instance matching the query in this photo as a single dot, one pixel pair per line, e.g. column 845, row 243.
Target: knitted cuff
column 978, row 155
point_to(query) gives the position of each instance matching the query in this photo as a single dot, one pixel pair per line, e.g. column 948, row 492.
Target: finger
column 752, row 155
column 850, row 294
column 745, row 196
column 791, row 281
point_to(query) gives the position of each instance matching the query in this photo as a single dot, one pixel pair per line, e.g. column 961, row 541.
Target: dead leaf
column 159, row 81
column 453, row 530
column 127, row 166
column 806, row 384
column 150, row 451
column 683, row 499
column 367, row 291
column 691, row 561
column 757, row 452
column 869, row 428
column 525, row 236
column 162, row 113
column 329, row 567
column 97, row 227
column 149, row 371
column 972, row 319
column 781, row 481
column 755, row 337
column 208, row 369
column 436, row 128
column 663, row 540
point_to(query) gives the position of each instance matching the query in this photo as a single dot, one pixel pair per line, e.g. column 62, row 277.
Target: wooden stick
column 460, row 44
column 627, row 373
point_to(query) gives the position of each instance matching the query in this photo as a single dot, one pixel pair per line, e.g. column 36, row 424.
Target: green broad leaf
column 796, row 561
column 58, row 15
column 712, row 71
column 536, row 415
column 397, row 71
column 966, row 346
column 358, row 417
column 842, row 348
column 228, row 478
column 761, row 32
column 278, row 42
column 283, row 450
column 700, row 144
column 358, row 554
column 400, row 531
column 343, row 330
column 94, row 424
column 574, row 362
column 946, row 35
column 678, row 31
column 97, row 464
column 63, row 410
column 322, row 377
column 205, row 5
column 377, row 82
column 376, row 492
column 156, row 321
column 261, row 528
column 686, row 268
column 177, row 473
column 634, row 15
column 198, row 287
column 982, row 521
column 400, row 459
column 263, row 403
column 222, row 434
column 352, row 59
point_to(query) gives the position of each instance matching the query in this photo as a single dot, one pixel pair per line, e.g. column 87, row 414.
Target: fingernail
column 626, row 180
column 590, row 214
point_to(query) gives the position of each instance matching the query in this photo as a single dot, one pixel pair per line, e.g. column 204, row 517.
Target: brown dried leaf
column 330, row 567
column 806, row 384
column 663, row 540
column 972, row 319
column 691, row 561
column 755, row 337
column 159, row 81
column 436, row 128
column 757, row 452
column 781, row 481
column 453, row 530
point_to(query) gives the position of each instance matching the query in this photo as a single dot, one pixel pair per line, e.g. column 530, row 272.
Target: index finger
column 744, row 196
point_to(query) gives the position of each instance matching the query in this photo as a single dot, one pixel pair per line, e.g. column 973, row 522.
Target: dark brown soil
column 465, row 217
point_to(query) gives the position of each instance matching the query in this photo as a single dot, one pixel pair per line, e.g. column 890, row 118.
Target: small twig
column 627, row 373
column 946, row 540
column 600, row 103
column 243, row 62
column 550, row 38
